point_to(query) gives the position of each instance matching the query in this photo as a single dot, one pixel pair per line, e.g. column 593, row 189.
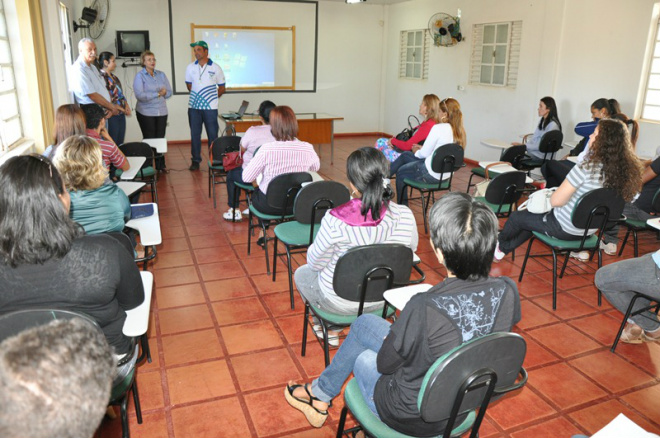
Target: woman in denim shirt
column 151, row 88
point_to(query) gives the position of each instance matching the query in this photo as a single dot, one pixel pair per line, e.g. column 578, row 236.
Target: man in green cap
column 206, row 82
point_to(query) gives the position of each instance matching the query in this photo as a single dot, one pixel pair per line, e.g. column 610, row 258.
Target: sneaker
column 499, row 255
column 608, row 248
column 582, row 256
column 194, row 166
column 246, row 212
column 632, row 334
column 232, row 215
column 333, row 339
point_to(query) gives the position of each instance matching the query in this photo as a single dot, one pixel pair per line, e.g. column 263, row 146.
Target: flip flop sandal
column 316, row 417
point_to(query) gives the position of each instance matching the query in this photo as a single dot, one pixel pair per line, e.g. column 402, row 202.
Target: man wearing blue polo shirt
column 206, row 82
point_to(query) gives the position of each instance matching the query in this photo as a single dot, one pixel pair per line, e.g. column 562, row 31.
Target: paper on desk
column 620, row 427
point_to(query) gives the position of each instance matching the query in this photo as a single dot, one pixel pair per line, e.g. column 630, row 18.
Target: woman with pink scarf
column 369, row 218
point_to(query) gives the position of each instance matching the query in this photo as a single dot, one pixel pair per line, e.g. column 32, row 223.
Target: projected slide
column 247, row 58
column 252, row 57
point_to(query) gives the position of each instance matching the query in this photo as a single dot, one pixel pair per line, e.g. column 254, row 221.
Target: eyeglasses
column 44, row 160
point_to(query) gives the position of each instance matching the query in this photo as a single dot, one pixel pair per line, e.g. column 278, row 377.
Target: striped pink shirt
column 281, row 157
column 111, row 153
column 254, row 137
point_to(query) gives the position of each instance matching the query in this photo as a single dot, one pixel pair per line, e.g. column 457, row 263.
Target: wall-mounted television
column 131, row 43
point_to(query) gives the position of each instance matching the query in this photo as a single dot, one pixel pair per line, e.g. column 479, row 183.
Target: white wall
column 576, row 51
column 348, row 74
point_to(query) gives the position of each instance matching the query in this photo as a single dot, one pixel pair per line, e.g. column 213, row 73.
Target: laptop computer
column 236, row 115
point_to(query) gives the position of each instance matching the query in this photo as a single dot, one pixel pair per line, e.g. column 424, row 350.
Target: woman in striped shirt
column 367, row 219
column 610, row 163
column 285, row 155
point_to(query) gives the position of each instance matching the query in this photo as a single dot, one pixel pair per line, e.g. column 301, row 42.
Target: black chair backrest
column 364, row 273
column 656, row 202
column 505, row 188
column 551, row 143
column 514, row 155
column 494, row 359
column 595, row 208
column 221, row 146
column 15, row 322
column 283, row 189
column 315, row 198
column 447, row 158
column 139, row 149
column 123, row 240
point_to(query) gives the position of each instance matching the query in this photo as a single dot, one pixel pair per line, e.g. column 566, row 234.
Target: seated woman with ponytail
column 368, row 218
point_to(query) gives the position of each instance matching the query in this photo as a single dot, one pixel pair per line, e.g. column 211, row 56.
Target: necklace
column 202, row 72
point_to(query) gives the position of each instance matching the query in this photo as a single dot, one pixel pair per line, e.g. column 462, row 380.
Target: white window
column 11, row 129
column 495, row 53
column 414, row 56
column 651, row 105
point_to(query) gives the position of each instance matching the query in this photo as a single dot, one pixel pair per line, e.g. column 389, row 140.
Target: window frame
column 511, row 62
column 652, row 54
column 403, row 54
column 7, row 145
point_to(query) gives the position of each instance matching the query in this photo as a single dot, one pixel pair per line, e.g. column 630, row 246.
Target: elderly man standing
column 87, row 84
column 206, row 82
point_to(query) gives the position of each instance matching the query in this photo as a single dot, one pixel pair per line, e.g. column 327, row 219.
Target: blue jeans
column 356, row 355
column 518, row 229
column 631, row 211
column 233, row 176
column 415, row 171
column 117, row 128
column 197, row 118
column 404, row 158
column 619, row 281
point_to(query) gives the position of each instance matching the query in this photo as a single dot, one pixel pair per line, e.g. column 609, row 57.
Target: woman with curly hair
column 610, row 163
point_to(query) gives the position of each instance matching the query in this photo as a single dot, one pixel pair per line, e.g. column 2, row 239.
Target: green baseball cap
column 200, row 43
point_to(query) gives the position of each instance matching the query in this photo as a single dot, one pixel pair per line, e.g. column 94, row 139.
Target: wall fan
column 95, row 16
column 445, row 29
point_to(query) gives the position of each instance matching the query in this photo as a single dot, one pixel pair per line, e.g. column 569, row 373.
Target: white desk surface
column 570, row 144
column 148, row 227
column 573, row 159
column 502, row 168
column 136, row 163
column 137, row 320
column 400, row 296
column 655, row 223
column 160, row 144
column 130, row 187
column 316, row 176
column 495, row 143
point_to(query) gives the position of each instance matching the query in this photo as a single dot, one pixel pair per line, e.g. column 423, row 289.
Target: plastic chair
column 629, row 313
column 458, row 385
column 309, row 207
column 503, row 192
column 549, row 145
column 147, row 172
column 592, row 210
column 636, row 226
column 512, row 155
column 282, row 191
column 217, row 151
column 446, row 159
column 362, row 275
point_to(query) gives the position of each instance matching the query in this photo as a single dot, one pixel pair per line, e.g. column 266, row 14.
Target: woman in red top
column 430, row 110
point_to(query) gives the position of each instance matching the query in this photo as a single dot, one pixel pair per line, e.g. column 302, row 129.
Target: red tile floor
column 224, row 340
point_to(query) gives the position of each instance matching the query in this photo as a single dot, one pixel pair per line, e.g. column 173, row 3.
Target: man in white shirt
column 206, row 82
column 87, row 84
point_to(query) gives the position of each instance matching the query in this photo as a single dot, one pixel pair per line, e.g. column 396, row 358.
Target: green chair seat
column 215, row 165
column 589, row 243
column 268, row 217
column 375, row 426
column 294, row 233
column 122, row 387
column 426, row 186
column 347, row 320
column 636, row 223
column 532, row 162
column 147, row 171
column 248, row 187
column 479, row 171
column 495, row 207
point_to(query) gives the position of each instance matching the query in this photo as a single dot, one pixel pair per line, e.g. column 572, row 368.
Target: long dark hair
column 34, row 225
column 612, row 148
column 552, row 116
column 605, row 104
column 633, row 126
column 264, row 110
column 368, row 170
column 104, row 56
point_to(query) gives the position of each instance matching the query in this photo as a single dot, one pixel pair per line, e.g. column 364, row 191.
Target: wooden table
column 315, row 128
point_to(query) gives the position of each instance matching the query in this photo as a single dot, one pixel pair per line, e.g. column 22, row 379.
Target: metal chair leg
column 288, row 264
column 554, row 280
column 305, row 324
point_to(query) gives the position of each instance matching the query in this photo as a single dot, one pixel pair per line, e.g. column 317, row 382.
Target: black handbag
column 407, row 132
